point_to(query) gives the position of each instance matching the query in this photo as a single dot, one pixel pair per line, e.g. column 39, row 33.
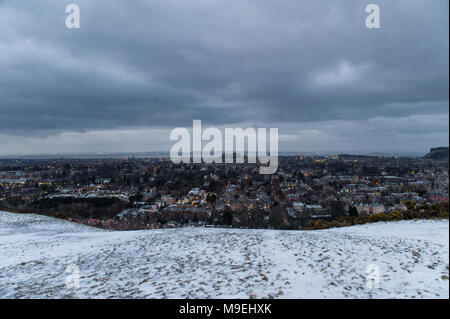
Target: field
column 412, row 258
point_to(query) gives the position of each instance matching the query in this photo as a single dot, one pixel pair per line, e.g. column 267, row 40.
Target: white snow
column 412, row 257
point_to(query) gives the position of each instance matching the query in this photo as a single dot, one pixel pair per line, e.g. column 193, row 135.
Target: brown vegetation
column 436, row 211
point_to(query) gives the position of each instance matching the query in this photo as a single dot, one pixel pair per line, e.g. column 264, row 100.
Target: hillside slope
column 438, row 153
column 412, row 258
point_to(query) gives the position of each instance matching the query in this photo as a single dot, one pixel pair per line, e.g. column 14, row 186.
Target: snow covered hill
column 412, row 258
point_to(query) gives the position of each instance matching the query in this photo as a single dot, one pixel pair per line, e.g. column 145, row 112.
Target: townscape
column 141, row 193
column 228, row 150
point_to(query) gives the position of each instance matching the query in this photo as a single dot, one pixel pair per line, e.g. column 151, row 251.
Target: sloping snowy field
column 412, row 258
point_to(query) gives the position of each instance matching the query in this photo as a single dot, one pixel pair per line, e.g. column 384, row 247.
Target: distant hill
column 438, row 153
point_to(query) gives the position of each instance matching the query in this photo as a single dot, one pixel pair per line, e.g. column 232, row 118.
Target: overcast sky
column 136, row 69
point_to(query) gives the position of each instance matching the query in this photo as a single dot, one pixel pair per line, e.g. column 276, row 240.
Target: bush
column 310, row 224
column 374, row 218
column 440, row 210
column 321, row 224
column 443, row 214
column 361, row 220
column 62, row 215
column 395, row 215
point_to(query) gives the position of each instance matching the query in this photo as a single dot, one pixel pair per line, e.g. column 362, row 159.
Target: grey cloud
column 164, row 63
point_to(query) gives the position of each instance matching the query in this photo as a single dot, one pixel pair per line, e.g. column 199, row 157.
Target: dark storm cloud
column 165, row 63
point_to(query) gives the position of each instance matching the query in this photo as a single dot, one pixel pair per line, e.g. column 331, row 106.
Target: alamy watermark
column 73, row 19
column 257, row 141
column 372, row 276
column 73, row 279
column 373, row 19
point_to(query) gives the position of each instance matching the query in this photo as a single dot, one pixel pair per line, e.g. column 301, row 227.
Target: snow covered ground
column 412, row 258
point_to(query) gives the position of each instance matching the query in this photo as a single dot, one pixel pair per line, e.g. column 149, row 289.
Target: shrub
column 395, row 215
column 62, row 215
column 440, row 210
column 443, row 214
column 321, row 224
